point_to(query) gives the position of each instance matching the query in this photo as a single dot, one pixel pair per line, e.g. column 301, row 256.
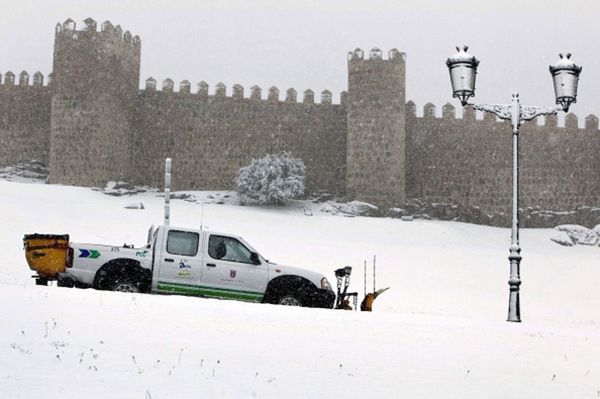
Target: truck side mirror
column 254, row 258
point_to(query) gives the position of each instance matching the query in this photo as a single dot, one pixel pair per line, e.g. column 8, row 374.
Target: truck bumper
column 323, row 299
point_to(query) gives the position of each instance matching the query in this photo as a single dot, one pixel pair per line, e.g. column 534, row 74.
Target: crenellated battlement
column 89, row 31
column 237, row 92
column 569, row 121
column 376, row 55
column 9, row 80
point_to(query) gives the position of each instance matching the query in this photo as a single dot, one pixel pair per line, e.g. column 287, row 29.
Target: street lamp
column 565, row 75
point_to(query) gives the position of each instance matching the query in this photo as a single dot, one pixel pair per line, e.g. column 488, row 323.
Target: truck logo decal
column 183, row 265
column 89, row 253
column 142, row 254
column 232, row 273
column 184, row 273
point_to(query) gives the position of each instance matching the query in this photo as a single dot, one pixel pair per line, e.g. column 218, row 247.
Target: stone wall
column 92, row 124
column 24, row 119
column 210, row 137
column 468, row 162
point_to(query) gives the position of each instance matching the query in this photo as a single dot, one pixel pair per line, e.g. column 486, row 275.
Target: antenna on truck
column 167, row 191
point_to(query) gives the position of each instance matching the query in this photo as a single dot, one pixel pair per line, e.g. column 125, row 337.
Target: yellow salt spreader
column 46, row 254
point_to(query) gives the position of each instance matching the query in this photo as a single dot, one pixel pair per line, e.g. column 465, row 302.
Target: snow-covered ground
column 440, row 331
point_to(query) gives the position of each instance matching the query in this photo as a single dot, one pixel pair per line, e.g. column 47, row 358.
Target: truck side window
column 182, row 243
column 228, row 249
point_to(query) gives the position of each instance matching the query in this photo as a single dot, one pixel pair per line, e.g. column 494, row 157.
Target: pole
column 167, row 191
column 514, row 282
column 374, row 289
column 365, row 278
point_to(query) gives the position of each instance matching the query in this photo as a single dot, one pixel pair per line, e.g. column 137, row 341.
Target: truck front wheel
column 289, row 300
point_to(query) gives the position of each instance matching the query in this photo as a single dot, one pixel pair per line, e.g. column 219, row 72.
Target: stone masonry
column 90, row 123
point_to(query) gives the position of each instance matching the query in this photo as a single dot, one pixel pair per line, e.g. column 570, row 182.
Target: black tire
column 123, row 275
column 290, row 300
column 124, row 283
column 290, row 291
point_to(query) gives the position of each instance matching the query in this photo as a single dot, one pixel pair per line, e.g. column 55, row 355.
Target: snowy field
column 439, row 332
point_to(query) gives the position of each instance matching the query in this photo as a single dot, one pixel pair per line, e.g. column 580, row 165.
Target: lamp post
column 565, row 75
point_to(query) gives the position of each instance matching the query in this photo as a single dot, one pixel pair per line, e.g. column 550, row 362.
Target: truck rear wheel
column 123, row 275
column 125, row 285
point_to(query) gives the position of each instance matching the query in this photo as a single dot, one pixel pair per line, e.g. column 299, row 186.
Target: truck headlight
column 325, row 284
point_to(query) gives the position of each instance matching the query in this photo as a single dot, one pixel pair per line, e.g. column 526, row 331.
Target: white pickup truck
column 177, row 261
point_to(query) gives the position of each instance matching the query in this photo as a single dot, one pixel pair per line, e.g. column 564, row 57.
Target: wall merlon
column 273, row 95
column 591, row 122
column 238, row 91
column 375, row 54
column 38, row 79
column 108, row 27
column 448, row 111
column 69, row 24
column 9, row 78
column 357, row 54
column 469, row 113
column 203, row 89
column 255, row 93
column 396, row 55
column 23, row 78
column 185, row 87
column 344, row 98
column 167, row 85
column 90, row 25
column 429, row 110
column 309, row 97
column 291, row 95
column 220, row 90
column 551, row 121
column 150, row 84
column 325, row 97
column 571, row 121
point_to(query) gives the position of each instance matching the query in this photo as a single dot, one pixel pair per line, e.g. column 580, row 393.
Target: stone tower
column 375, row 158
column 95, row 83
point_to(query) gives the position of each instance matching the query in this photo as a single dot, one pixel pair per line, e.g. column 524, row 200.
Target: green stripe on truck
column 210, row 292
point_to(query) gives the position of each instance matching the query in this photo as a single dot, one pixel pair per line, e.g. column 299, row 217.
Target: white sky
column 303, row 43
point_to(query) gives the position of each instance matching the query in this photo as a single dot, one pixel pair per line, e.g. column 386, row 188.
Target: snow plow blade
column 46, row 253
column 367, row 304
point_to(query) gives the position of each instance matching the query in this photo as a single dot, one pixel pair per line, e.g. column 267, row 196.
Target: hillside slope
column 438, row 332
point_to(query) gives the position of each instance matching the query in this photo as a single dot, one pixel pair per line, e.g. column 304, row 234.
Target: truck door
column 228, row 271
column 180, row 262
